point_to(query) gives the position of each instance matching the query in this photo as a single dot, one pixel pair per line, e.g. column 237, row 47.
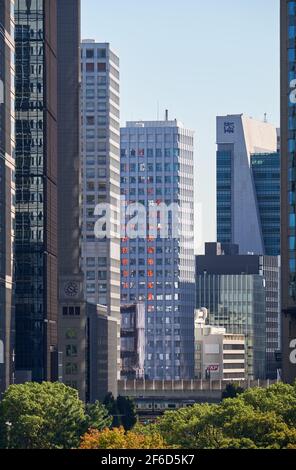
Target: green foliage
column 111, row 405
column 42, row 416
column 123, row 411
column 97, row 417
column 127, row 410
column 232, row 390
column 255, row 419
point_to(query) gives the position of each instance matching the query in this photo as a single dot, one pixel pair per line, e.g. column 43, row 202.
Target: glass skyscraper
column 248, row 185
column 288, row 186
column 36, row 189
column 7, row 191
column 266, row 176
column 156, row 170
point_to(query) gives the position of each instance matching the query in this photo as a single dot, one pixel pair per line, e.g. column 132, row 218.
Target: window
column 102, row 172
column 90, row 275
column 102, row 93
column 90, row 120
column 89, row 53
column 101, row 67
column 71, row 350
column 90, row 67
column 102, row 275
column 101, row 53
column 102, row 261
column 71, row 368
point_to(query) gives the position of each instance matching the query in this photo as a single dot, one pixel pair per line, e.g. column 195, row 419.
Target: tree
column 127, row 410
column 123, row 410
column 97, row 417
column 232, row 390
column 42, row 416
column 117, row 438
column 111, row 405
column 255, row 419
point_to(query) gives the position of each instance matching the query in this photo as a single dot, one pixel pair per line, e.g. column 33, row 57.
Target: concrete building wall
column 72, row 308
column 102, row 334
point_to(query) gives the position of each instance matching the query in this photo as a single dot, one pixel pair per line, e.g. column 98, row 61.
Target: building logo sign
column 229, row 128
column 213, row 368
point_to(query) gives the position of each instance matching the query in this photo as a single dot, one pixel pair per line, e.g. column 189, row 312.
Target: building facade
column 100, row 171
column 102, row 338
column 288, row 187
column 7, row 192
column 132, row 341
column 100, row 141
column 246, row 214
column 218, row 355
column 267, row 182
column 36, row 307
column 72, row 331
column 241, row 293
column 157, row 257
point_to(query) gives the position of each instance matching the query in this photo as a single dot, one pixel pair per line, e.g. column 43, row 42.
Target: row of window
column 150, row 179
column 150, row 152
column 150, row 273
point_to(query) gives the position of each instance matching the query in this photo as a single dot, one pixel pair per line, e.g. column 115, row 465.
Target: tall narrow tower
column 36, row 189
column 288, row 187
column 100, row 141
column 7, row 191
column 72, row 308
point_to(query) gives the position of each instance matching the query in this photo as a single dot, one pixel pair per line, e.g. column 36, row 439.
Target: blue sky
column 197, row 58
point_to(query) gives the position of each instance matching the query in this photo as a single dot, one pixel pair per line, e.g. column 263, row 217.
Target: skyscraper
column 7, row 191
column 248, row 185
column 288, row 187
column 72, row 318
column 100, row 172
column 157, row 264
column 36, row 305
column 100, row 141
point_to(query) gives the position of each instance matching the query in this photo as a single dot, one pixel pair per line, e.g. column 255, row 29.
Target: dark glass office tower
column 36, row 189
column 7, row 193
column 288, row 186
column 266, row 176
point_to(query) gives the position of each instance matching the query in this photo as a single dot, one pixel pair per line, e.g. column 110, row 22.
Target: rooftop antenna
column 265, row 118
column 166, row 115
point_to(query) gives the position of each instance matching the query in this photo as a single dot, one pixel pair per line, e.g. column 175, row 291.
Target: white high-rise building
column 158, row 268
column 100, row 140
